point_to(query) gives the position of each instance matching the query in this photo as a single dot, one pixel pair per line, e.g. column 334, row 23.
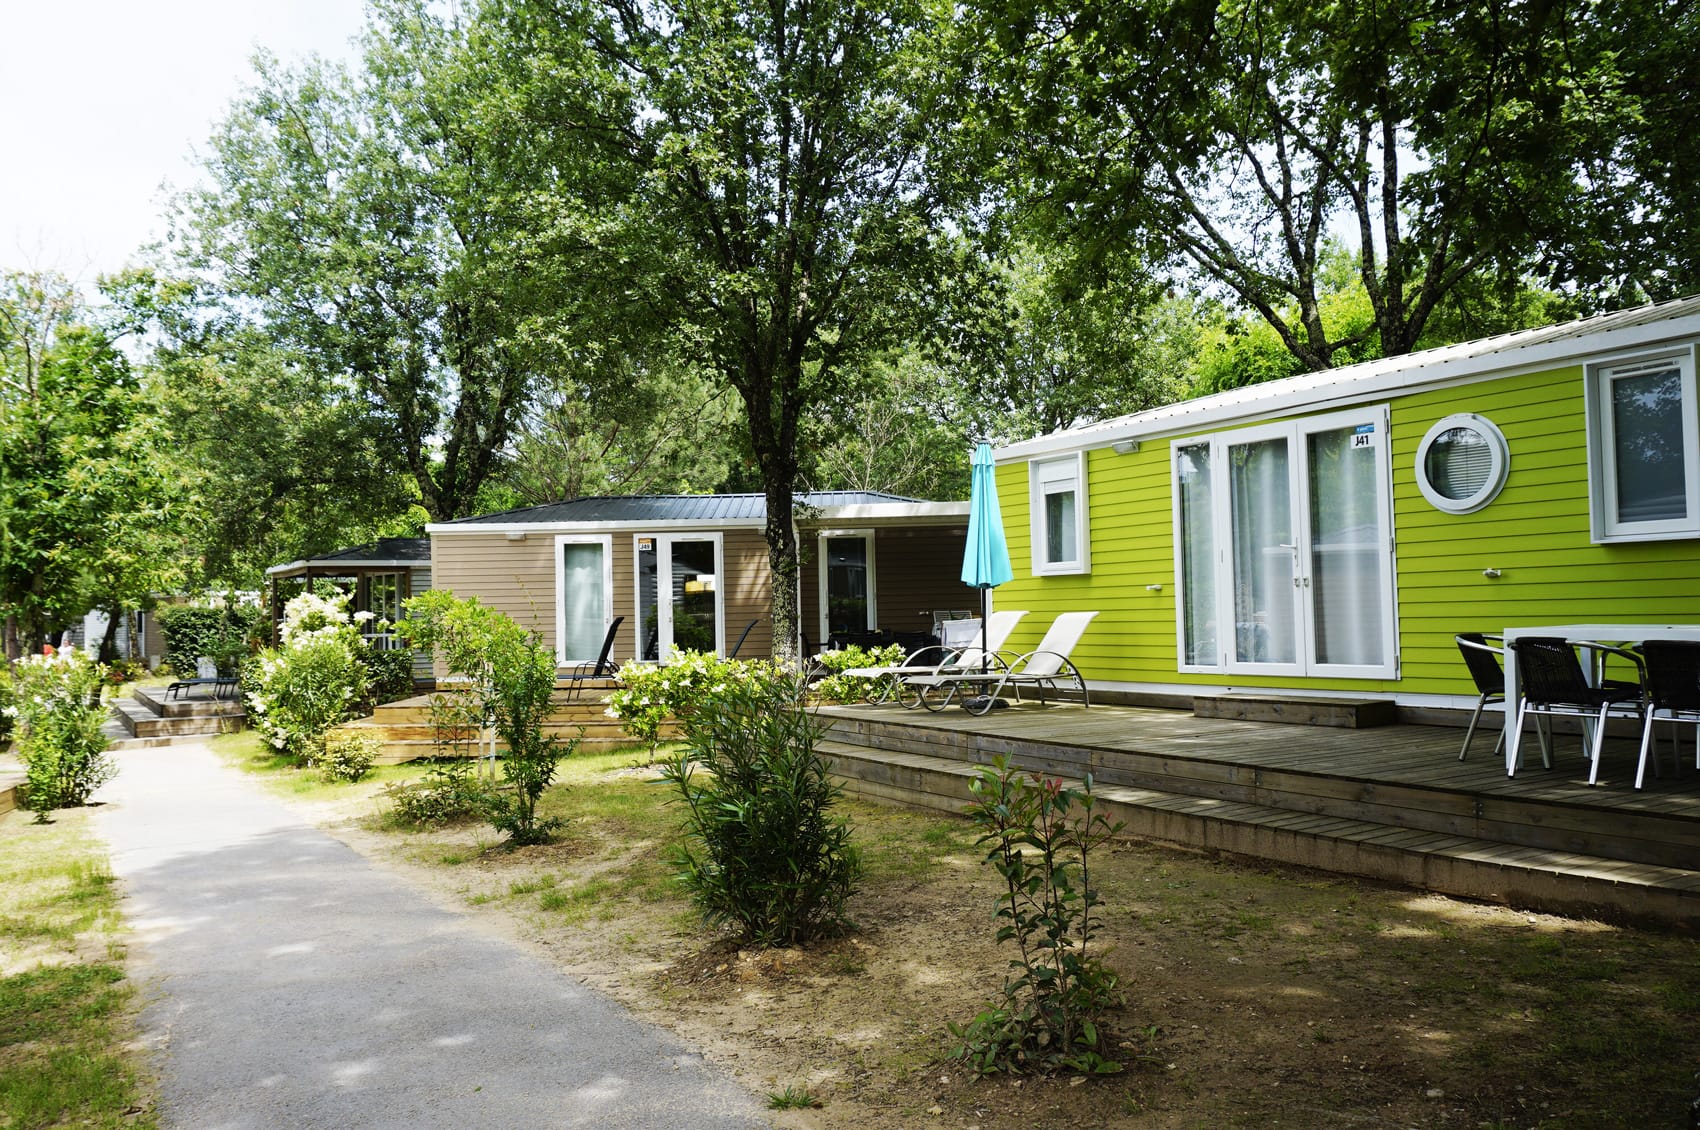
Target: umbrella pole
column 985, row 631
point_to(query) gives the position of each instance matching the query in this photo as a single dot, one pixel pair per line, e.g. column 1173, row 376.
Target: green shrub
column 1049, row 1017
column 761, row 848
column 8, row 703
column 510, row 683
column 60, row 740
column 835, row 686
column 227, row 636
column 389, row 675
column 523, row 671
column 347, row 757
column 450, row 792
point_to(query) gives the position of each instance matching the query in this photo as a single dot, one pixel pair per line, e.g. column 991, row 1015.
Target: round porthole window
column 1462, row 463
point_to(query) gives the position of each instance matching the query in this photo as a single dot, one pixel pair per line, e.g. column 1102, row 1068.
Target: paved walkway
column 292, row 984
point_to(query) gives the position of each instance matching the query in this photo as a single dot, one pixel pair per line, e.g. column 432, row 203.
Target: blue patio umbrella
column 985, row 561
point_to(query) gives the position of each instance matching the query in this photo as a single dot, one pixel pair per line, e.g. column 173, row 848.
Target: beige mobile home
column 691, row 571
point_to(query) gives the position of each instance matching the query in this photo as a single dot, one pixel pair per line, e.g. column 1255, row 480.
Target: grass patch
column 247, row 752
column 793, row 1098
column 66, row 1009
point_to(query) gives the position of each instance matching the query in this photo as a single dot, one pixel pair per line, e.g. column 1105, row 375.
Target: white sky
column 103, row 101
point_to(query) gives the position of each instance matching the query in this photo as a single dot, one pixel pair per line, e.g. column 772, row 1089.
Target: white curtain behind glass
column 1198, row 560
column 1263, row 553
column 586, row 600
column 1345, row 551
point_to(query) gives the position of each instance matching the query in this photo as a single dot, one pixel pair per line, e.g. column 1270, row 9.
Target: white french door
column 679, row 599
column 1285, row 549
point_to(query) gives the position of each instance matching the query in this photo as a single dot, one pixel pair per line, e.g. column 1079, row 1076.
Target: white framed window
column 1057, row 496
column 1462, row 463
column 1643, row 448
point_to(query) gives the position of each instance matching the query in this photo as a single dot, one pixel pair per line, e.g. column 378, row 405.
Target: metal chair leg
column 1599, row 746
column 1475, row 717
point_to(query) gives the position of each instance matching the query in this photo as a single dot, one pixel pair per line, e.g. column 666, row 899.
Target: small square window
column 1644, row 449
column 1058, row 499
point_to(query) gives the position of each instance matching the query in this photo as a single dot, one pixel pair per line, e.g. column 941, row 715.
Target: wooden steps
column 1531, row 841
column 148, row 718
column 405, row 729
column 1349, row 713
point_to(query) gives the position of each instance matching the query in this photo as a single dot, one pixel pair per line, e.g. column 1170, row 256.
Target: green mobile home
column 1328, row 534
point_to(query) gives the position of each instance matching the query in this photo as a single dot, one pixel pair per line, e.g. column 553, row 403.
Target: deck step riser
column 398, row 753
column 418, row 716
column 563, row 730
column 938, row 784
column 1351, row 714
column 1639, row 837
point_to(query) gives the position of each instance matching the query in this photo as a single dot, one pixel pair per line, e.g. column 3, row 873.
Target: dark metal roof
column 384, row 551
column 707, row 509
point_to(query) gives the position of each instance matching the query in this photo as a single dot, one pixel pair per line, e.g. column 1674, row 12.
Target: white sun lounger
column 1045, row 667
column 959, row 649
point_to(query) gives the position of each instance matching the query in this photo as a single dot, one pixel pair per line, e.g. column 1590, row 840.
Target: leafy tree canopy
column 1456, row 145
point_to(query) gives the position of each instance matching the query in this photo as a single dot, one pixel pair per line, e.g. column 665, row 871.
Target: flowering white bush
column 58, row 711
column 650, row 694
column 316, row 679
column 836, row 686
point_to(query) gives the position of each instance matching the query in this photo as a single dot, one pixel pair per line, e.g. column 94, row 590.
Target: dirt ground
column 1256, row 995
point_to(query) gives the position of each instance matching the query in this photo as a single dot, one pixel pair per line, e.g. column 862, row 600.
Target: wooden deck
column 1391, row 803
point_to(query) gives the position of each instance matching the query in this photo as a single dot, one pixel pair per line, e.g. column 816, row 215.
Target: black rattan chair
column 1552, row 683
column 1673, row 686
column 1479, row 657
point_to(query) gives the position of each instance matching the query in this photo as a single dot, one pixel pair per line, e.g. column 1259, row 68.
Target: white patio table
column 1615, row 634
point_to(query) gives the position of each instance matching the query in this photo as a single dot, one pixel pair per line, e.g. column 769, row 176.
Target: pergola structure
column 378, row 576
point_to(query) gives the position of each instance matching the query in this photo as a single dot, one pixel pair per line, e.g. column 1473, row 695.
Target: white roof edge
column 380, row 563
column 1459, row 363
column 592, row 527
column 870, row 511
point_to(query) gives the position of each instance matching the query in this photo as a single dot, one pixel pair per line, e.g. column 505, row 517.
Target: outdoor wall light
column 1490, row 573
column 1125, row 447
column 516, row 535
column 1153, row 588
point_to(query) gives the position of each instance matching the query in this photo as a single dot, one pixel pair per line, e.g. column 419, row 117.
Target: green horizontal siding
column 1536, row 533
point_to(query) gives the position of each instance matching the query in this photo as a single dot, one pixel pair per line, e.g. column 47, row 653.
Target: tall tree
column 1455, row 140
column 87, row 495
column 356, row 213
column 275, row 459
column 779, row 202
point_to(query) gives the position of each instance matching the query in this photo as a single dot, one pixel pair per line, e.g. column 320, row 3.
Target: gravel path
column 292, row 984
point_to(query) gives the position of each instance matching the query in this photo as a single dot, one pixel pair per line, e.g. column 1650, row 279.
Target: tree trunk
column 109, row 641
column 783, row 565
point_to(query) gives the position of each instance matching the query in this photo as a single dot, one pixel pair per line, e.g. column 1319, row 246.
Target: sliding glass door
column 1293, row 551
